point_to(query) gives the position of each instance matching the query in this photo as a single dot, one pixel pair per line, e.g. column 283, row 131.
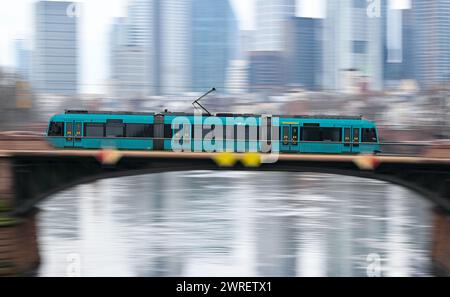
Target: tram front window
column 56, row 129
column 369, row 135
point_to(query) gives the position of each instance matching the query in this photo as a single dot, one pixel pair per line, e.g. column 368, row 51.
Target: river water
column 224, row 223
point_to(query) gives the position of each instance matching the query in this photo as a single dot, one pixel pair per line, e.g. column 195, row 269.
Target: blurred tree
column 15, row 102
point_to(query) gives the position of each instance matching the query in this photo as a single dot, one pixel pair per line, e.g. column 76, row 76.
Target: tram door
column 289, row 138
column 73, row 134
column 351, row 137
column 356, row 140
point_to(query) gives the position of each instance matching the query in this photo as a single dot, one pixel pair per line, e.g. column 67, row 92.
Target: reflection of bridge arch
column 28, row 177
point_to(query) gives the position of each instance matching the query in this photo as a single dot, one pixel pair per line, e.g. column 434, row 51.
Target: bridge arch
column 35, row 179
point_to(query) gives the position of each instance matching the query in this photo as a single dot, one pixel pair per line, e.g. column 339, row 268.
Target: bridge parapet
column 6, row 185
column 439, row 150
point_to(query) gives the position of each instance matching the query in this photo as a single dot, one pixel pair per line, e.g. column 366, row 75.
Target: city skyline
column 372, row 48
column 16, row 24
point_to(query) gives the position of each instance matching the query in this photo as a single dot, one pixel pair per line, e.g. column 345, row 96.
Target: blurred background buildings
column 55, row 55
column 387, row 60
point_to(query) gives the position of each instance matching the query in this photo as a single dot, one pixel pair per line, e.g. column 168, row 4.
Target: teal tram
column 81, row 129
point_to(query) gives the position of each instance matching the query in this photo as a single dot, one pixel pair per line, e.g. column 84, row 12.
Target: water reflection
column 238, row 224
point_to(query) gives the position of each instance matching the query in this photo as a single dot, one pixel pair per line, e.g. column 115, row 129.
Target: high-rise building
column 175, row 34
column 352, row 42
column 432, row 42
column 247, row 43
column 23, row 59
column 134, row 56
column 267, row 69
column 398, row 40
column 265, row 73
column 129, row 71
column 154, row 55
column 55, row 57
column 271, row 20
column 214, row 42
column 237, row 77
column 304, row 52
column 143, row 39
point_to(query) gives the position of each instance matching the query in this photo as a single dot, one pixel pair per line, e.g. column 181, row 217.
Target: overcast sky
column 16, row 22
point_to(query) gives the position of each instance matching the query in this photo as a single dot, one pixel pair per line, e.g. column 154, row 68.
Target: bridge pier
column 6, row 185
column 441, row 243
column 19, row 253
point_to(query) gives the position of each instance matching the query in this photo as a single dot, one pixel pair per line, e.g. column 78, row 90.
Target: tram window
column 187, row 131
column 56, row 129
column 114, row 130
column 196, row 129
column 332, row 134
column 294, row 135
column 251, row 133
column 228, row 132
column 217, row 129
column 94, row 130
column 285, row 134
column 311, row 134
column 369, row 135
column 205, row 131
column 168, row 133
column 177, row 130
column 347, row 134
column 69, row 129
column 139, row 130
column 182, row 131
column 321, row 134
column 355, row 134
column 265, row 133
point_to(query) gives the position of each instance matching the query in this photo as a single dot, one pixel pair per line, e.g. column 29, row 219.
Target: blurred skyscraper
column 155, row 52
column 132, row 65
column 432, row 42
column 266, row 71
column 398, row 40
column 23, row 59
column 237, row 80
column 352, row 43
column 304, row 52
column 214, row 42
column 175, row 40
column 133, row 59
column 271, row 20
column 55, row 57
column 129, row 63
column 237, row 77
column 266, row 62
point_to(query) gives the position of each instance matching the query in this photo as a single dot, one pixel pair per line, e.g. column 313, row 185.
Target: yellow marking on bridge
column 251, row 160
column 366, row 162
column 225, row 159
column 109, row 156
